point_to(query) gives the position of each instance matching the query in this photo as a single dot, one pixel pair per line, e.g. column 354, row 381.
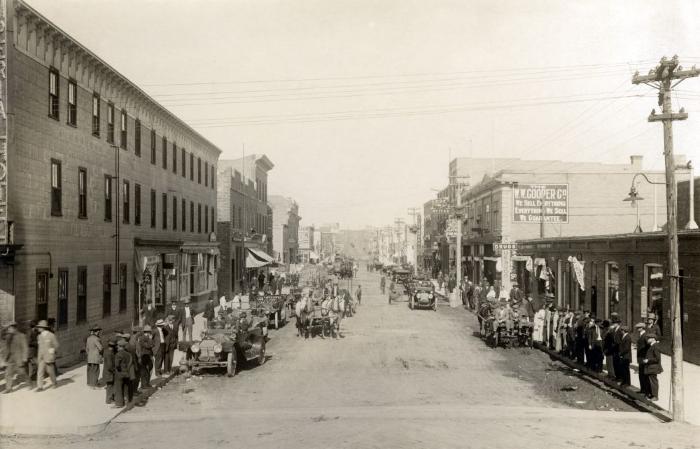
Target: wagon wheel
column 495, row 339
column 326, row 329
column 231, row 363
column 261, row 357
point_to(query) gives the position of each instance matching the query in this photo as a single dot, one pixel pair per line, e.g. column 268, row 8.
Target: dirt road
column 397, row 378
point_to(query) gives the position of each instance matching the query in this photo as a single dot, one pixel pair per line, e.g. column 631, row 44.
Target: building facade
column 110, row 199
column 285, row 229
column 307, row 253
column 244, row 219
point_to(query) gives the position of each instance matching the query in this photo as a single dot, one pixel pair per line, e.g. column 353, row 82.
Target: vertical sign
column 4, row 234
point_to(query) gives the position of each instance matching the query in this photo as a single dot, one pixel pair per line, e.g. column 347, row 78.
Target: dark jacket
column 15, row 348
column 626, row 348
column 124, row 365
column 609, row 341
column 209, row 310
column 108, row 370
column 146, row 344
column 653, row 365
column 642, row 347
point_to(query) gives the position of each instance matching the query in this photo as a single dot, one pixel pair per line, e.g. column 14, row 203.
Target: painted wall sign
column 537, row 203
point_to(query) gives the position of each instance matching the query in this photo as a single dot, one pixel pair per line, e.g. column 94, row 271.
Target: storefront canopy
column 256, row 258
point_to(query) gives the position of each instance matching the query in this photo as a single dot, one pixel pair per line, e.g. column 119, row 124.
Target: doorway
column 42, row 295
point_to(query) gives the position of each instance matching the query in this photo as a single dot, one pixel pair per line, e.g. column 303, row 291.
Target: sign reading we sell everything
column 537, row 203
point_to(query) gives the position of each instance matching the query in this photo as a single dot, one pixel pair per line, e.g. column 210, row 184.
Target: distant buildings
column 285, row 229
column 307, row 252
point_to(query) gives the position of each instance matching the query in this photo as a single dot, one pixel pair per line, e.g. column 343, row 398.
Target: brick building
column 624, row 273
column 538, row 199
column 245, row 225
column 110, row 199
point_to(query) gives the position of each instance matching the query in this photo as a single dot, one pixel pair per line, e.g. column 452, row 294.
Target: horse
column 334, row 308
column 303, row 309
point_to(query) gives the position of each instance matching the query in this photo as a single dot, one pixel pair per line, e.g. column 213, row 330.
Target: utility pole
column 457, row 184
column 662, row 78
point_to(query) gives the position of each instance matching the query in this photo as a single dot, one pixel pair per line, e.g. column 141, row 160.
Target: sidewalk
column 71, row 409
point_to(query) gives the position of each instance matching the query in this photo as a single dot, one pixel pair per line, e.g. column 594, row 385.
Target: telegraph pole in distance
column 662, row 78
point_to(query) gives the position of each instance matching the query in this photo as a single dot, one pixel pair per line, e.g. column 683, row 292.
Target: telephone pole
column 664, row 77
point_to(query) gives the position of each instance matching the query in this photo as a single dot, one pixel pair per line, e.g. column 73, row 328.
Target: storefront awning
column 256, row 259
column 261, row 255
column 200, row 249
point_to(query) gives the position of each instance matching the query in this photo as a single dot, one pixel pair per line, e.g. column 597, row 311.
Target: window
column 122, row 288
column 106, row 290
column 96, row 114
column 184, row 215
column 206, row 174
column 62, row 297
column 42, row 294
column 212, row 177
column 199, row 218
column 137, row 138
column 53, row 93
column 108, row 198
column 81, row 313
column 137, row 204
column 174, row 214
column 82, row 193
column 654, row 282
column 191, row 216
column 206, row 219
column 184, row 160
column 122, row 129
column 153, row 146
column 72, row 103
column 199, row 170
column 153, row 208
column 165, row 211
column 55, row 187
column 110, row 122
column 612, row 288
column 213, row 222
column 191, row 166
column 174, row 158
column 125, row 202
column 164, row 146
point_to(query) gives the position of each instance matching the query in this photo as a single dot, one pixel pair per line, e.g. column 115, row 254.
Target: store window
column 62, row 298
column 612, row 288
column 170, row 277
column 81, row 313
column 654, row 282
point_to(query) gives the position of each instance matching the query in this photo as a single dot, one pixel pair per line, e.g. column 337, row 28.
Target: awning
column 262, row 255
column 200, row 249
column 256, row 259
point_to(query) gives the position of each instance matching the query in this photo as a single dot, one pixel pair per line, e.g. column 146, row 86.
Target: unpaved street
column 397, row 378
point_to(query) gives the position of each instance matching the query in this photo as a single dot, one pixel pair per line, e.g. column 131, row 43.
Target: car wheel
column 231, row 363
column 410, row 303
column 261, row 357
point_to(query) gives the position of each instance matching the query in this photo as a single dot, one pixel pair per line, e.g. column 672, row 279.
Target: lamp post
column 634, row 198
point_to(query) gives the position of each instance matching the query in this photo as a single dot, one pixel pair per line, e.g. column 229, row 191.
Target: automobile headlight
column 430, row 296
column 194, row 348
column 217, row 348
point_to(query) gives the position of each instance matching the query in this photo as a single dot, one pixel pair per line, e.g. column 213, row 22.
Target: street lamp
column 633, row 197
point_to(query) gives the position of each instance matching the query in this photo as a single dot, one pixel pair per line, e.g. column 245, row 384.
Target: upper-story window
column 153, row 146
column 137, row 137
column 56, row 188
column 82, row 193
column 213, row 173
column 174, row 158
column 53, row 93
column 72, row 103
column 108, row 198
column 164, row 149
column 96, row 114
column 122, row 129
column 184, row 162
column 126, row 206
column 199, row 170
column 206, row 174
column 110, row 122
column 191, row 166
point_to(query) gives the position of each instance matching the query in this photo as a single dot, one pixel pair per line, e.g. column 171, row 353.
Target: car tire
column 231, row 363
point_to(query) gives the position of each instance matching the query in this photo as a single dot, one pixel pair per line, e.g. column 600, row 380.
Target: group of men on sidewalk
column 31, row 355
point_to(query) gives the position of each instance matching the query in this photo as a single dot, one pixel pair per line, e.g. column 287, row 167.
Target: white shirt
column 188, row 314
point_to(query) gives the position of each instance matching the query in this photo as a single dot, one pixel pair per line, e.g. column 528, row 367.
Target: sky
column 360, row 104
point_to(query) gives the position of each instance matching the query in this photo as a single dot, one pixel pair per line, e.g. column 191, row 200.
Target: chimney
column 680, row 160
column 636, row 161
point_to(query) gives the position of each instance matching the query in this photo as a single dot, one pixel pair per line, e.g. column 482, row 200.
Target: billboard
column 537, row 203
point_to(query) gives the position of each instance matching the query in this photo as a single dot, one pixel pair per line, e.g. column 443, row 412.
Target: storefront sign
column 505, row 246
column 4, row 234
column 537, row 203
column 452, row 228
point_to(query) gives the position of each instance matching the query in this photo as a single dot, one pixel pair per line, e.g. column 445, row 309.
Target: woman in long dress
column 538, row 328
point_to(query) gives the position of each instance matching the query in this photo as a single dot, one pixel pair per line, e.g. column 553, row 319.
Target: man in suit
column 47, row 346
column 652, row 366
column 642, row 347
column 176, row 313
column 123, row 374
column 146, row 346
column 209, row 313
column 108, row 370
column 187, row 316
column 625, row 356
column 93, row 348
column 616, row 339
column 16, row 353
column 159, row 341
column 171, row 340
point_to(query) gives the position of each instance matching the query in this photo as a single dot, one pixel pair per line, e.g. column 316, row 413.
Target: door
column 42, row 295
column 629, row 296
column 594, row 289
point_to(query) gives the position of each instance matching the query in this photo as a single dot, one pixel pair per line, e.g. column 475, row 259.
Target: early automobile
column 422, row 297
column 271, row 306
column 226, row 341
column 402, row 275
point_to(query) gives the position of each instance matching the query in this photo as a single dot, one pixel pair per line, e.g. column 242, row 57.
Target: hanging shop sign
column 452, row 228
column 541, row 203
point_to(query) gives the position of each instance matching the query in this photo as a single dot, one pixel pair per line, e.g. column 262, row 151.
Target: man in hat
column 642, row 347
column 617, row 340
column 146, row 346
column 625, row 356
column 93, row 348
column 171, row 339
column 149, row 314
column 134, row 349
column 209, row 311
column 108, row 370
column 652, row 366
column 652, row 326
column 159, row 340
column 47, row 346
column 124, row 373
column 188, row 320
column 176, row 313
column 16, row 353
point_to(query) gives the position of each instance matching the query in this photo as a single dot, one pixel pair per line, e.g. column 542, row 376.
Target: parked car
column 422, row 297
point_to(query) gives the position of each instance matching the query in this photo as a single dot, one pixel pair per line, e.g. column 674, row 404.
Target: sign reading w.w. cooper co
column 537, row 203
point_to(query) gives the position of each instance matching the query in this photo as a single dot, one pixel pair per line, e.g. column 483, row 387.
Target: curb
column 80, row 430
